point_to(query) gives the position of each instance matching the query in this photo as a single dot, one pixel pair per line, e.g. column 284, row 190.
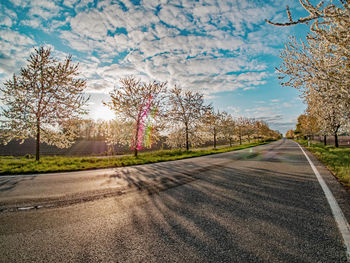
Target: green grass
column 27, row 164
column 336, row 159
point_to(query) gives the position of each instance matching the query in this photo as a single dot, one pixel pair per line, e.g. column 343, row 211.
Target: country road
column 262, row 204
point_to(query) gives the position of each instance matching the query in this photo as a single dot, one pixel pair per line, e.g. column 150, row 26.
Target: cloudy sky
column 221, row 48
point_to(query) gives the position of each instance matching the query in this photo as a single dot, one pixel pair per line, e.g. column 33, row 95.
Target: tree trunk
column 336, row 140
column 325, row 140
column 187, row 143
column 230, row 142
column 336, row 137
column 136, row 141
column 240, row 140
column 214, row 138
column 37, row 151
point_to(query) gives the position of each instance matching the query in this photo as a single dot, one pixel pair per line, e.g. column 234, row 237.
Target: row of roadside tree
column 118, row 134
column 308, row 127
column 183, row 116
column 47, row 101
column 320, row 68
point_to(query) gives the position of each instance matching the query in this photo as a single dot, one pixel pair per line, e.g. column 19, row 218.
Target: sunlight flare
column 102, row 113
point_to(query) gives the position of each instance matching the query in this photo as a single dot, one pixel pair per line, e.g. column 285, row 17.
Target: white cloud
column 14, row 49
column 90, row 25
column 40, row 8
column 10, row 13
column 34, row 22
column 19, row 2
column 94, row 24
column 208, row 55
column 235, row 111
column 7, row 64
column 14, row 37
column 287, row 105
column 83, row 4
column 176, row 17
column 69, row 3
column 248, row 88
column 41, row 12
column 75, row 41
column 5, row 20
column 271, row 115
column 49, row 5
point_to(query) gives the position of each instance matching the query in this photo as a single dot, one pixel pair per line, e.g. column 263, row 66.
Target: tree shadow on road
column 235, row 215
column 8, row 184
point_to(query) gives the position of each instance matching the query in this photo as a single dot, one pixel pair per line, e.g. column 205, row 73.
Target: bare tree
column 244, row 127
column 250, row 128
column 42, row 99
column 228, row 127
column 240, row 125
column 186, row 108
column 134, row 101
column 214, row 123
column 319, row 14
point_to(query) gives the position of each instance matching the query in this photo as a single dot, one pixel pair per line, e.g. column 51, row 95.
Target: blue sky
column 223, row 49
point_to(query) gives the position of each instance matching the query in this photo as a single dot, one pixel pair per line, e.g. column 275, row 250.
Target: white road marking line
column 338, row 215
column 25, row 208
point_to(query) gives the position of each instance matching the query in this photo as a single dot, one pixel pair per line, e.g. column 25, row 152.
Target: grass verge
column 10, row 165
column 336, row 159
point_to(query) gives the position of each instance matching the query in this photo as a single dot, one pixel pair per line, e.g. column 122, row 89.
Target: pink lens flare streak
column 141, row 128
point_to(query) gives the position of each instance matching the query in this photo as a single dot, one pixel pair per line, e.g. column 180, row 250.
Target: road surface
column 262, row 204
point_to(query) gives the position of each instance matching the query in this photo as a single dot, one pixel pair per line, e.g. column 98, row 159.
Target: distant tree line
column 117, row 133
column 308, row 127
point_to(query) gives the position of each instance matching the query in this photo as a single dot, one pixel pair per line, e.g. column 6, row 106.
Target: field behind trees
column 85, row 147
column 79, row 148
column 344, row 141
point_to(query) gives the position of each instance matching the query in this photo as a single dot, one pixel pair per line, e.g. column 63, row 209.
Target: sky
column 223, row 49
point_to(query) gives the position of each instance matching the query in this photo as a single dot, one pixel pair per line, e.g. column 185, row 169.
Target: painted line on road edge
column 338, row 215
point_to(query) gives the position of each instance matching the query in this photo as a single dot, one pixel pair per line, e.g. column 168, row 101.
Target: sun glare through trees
column 48, row 98
column 153, row 131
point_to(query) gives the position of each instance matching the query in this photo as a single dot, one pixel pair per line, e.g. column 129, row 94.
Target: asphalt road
column 262, row 204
